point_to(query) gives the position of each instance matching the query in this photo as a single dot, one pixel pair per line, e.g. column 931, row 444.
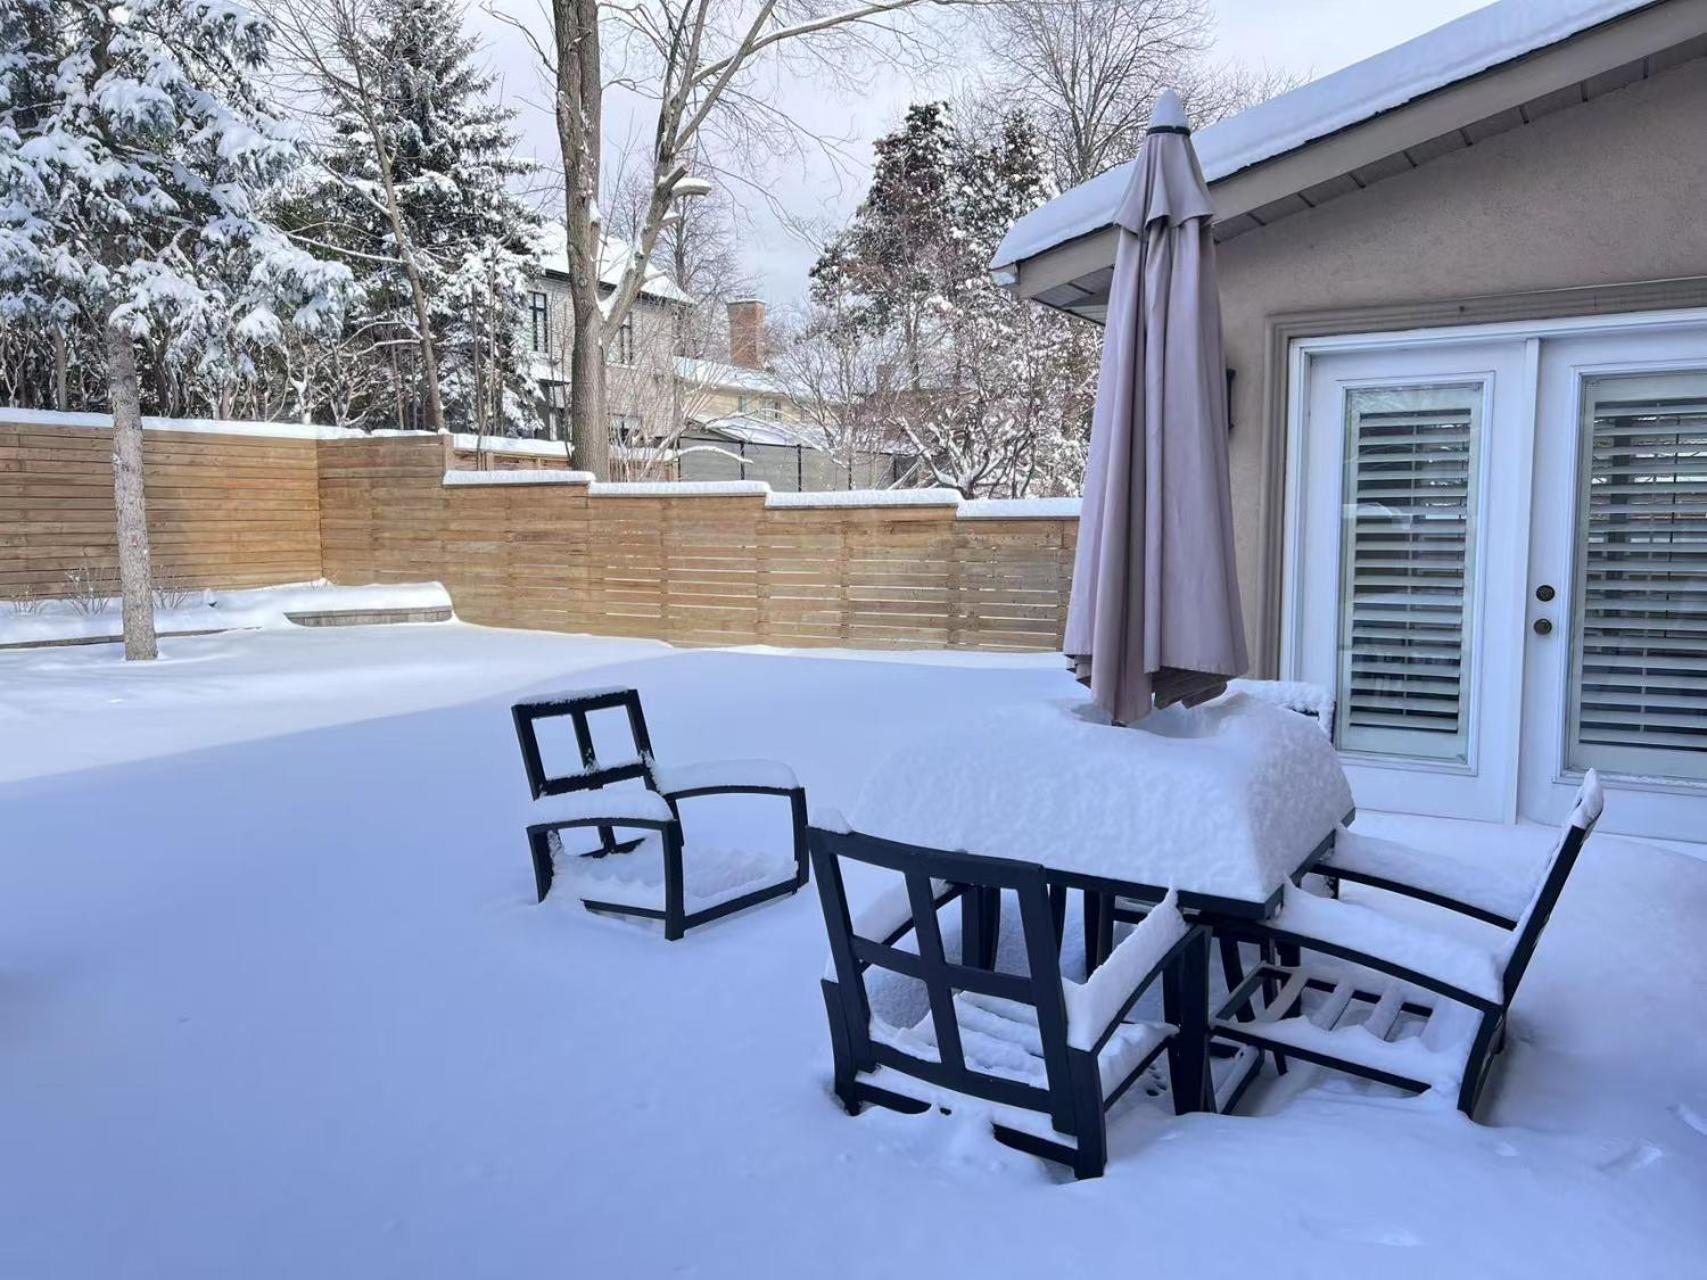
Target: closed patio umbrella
column 1154, row 617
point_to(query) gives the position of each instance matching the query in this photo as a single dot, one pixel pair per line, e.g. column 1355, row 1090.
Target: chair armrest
column 1437, row 961
column 1094, row 1005
column 1493, row 894
column 630, row 806
column 723, row 775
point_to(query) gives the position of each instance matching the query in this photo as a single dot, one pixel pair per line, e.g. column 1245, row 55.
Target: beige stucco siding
column 1607, row 193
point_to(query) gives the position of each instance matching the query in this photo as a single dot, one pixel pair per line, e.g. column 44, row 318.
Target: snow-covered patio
column 275, row 1000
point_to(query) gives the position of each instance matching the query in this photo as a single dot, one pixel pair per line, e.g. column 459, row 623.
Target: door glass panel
column 1639, row 662
column 1406, row 557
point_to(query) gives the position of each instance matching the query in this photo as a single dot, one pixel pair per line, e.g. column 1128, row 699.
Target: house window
column 623, row 350
column 539, row 312
column 627, row 428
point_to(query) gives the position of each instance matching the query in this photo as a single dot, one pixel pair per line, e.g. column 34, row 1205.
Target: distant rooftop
column 554, row 260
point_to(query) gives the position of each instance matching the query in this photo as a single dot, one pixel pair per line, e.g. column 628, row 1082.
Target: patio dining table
column 1224, row 803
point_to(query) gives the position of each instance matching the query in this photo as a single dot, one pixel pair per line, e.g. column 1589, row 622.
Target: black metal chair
column 1049, row 1056
column 1434, row 1005
column 579, row 801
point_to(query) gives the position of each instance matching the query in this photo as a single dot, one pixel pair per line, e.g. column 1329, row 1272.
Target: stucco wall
column 1610, row 192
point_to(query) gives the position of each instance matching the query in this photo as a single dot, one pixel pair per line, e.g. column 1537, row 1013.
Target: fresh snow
column 1434, row 60
column 1019, row 508
column 672, row 778
column 1093, row 1003
column 207, row 610
column 276, row 1001
column 615, row 803
column 1222, row 799
column 1501, row 888
column 473, row 478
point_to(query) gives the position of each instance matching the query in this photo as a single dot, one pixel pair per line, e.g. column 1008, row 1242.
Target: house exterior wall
column 1595, row 198
column 709, row 402
column 641, row 392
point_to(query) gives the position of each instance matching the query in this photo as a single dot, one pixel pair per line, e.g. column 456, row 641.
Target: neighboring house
column 640, row 373
column 1464, row 287
column 744, row 421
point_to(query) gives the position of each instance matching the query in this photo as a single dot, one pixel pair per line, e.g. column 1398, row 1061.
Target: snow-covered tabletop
column 1222, row 800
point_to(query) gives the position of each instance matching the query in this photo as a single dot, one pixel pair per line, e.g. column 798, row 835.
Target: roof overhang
column 1072, row 272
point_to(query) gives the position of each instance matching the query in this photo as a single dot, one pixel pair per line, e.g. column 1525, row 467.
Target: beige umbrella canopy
column 1154, row 617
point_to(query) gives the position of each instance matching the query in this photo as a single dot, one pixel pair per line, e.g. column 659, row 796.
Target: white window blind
column 1406, row 569
column 1639, row 696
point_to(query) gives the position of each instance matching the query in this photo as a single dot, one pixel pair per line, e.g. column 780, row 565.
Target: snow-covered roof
column 751, row 430
column 732, row 377
column 1432, row 61
column 554, row 260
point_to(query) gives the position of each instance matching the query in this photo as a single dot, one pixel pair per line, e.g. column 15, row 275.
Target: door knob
column 1543, row 626
column 1544, row 593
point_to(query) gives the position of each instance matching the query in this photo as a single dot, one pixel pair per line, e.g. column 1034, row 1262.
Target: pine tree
column 134, row 154
column 993, row 393
column 422, row 161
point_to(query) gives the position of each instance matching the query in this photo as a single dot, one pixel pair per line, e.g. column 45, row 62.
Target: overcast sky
column 1309, row 37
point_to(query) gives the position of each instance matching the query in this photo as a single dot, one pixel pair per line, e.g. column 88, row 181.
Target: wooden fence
column 693, row 568
column 224, row 509
column 542, row 549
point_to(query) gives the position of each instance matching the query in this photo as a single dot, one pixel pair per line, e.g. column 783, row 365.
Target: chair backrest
column 1585, row 812
column 930, row 879
column 593, row 773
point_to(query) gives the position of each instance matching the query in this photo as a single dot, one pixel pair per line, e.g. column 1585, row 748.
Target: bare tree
column 699, row 61
column 1088, row 71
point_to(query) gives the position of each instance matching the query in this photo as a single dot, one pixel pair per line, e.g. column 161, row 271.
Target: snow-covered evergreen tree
column 134, row 153
column 422, row 165
column 993, row 394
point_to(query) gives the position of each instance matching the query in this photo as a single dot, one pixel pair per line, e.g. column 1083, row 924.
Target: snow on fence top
column 462, row 441
column 1432, row 61
column 964, row 508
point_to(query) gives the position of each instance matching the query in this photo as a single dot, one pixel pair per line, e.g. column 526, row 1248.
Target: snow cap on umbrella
column 1168, row 113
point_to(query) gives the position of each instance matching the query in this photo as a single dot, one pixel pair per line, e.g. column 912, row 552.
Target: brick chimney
column 747, row 333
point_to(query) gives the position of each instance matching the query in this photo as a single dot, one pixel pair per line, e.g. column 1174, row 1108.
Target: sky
column 790, row 203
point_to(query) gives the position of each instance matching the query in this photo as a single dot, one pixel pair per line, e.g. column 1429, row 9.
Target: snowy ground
column 275, row 1001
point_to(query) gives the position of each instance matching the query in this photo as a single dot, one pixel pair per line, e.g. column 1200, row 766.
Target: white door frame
column 1301, row 354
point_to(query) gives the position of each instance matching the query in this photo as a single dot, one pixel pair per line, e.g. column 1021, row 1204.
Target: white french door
column 1410, row 544
column 1616, row 677
column 1498, row 564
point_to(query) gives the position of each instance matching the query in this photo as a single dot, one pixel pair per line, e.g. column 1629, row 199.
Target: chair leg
column 1089, row 1120
column 675, row 913
column 797, row 814
column 841, row 1048
column 1480, row 1062
column 539, row 847
column 1185, row 1004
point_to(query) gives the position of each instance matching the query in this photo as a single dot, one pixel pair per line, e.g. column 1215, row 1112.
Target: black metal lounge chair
column 579, row 800
column 1434, row 1005
column 1048, row 1056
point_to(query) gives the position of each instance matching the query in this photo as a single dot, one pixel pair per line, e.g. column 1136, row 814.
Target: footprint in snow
column 1362, row 1233
column 1639, row 1156
column 1690, row 1116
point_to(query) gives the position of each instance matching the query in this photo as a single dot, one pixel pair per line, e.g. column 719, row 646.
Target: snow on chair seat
column 657, row 874
column 724, row 775
column 1402, row 971
column 1044, row 1055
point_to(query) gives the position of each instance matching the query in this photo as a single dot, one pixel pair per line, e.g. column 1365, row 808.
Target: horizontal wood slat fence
column 688, row 568
column 223, row 510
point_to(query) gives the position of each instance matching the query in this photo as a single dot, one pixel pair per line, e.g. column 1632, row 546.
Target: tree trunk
column 61, row 396
column 136, row 580
column 579, row 109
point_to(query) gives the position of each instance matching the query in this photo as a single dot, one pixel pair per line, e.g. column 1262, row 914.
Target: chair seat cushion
column 673, row 779
column 636, row 879
column 1000, row 1038
column 1494, row 887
